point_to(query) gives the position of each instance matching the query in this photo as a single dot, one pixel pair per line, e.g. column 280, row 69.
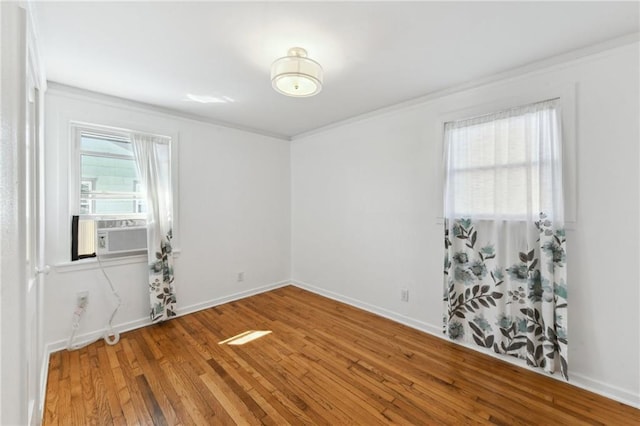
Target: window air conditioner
column 120, row 236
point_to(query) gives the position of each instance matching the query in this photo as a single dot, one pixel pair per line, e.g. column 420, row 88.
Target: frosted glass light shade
column 296, row 75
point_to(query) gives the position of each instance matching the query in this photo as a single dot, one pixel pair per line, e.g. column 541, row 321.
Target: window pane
column 502, row 164
column 490, row 144
column 106, row 146
column 123, row 206
column 474, row 146
column 474, row 192
column 495, row 192
column 117, row 174
column 109, row 179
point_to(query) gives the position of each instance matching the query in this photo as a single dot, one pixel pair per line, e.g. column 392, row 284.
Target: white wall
column 366, row 197
column 13, row 351
column 234, row 216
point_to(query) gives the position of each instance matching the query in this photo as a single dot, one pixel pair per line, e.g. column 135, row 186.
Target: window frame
column 566, row 93
column 66, row 171
column 455, row 172
column 72, row 134
column 78, row 130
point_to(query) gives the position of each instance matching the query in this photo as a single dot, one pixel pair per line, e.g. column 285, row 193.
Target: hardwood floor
column 324, row 363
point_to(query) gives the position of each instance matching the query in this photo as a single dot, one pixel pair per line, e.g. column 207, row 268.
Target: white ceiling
column 374, row 54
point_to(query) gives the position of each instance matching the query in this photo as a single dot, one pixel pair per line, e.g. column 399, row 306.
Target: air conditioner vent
column 120, row 236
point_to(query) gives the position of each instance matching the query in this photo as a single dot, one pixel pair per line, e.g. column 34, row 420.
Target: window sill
column 92, row 263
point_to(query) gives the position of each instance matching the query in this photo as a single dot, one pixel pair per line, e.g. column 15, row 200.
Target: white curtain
column 505, row 247
column 153, row 156
column 506, row 165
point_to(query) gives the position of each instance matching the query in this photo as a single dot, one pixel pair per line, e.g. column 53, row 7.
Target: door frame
column 13, row 40
column 22, row 355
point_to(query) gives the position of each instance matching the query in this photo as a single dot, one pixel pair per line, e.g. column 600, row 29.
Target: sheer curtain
column 505, row 248
column 152, row 156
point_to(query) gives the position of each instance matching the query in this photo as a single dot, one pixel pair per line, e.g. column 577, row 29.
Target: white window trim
column 566, row 94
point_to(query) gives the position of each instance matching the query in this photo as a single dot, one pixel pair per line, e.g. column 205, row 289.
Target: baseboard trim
column 143, row 322
column 394, row 316
column 231, row 298
column 579, row 380
column 612, row 392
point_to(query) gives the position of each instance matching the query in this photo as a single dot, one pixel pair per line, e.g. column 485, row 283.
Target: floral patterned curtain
column 505, row 289
column 153, row 162
column 505, row 262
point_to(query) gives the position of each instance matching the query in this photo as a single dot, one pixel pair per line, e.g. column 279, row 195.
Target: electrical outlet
column 240, row 276
column 404, row 295
column 82, row 299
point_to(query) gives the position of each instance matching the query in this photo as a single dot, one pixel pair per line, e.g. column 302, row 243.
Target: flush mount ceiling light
column 296, row 75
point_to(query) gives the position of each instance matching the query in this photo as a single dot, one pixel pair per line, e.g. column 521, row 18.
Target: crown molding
column 79, row 93
column 556, row 62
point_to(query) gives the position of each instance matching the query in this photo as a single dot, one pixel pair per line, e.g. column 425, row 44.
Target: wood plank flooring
column 324, row 363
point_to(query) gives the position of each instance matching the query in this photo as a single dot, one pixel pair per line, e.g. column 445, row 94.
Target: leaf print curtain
column 152, row 156
column 505, row 249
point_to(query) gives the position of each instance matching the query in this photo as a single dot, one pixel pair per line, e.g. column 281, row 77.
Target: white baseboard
column 230, row 298
column 142, row 322
column 610, row 391
column 579, row 380
column 394, row 316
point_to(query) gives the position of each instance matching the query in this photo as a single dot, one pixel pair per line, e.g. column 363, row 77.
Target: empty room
column 320, row 213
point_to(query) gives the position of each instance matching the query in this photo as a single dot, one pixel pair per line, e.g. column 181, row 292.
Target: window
column 106, row 191
column 504, row 233
column 109, row 183
column 499, row 165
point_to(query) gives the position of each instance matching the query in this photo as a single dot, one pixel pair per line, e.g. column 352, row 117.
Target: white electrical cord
column 110, row 337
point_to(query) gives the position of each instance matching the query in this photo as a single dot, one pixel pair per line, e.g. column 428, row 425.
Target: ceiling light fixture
column 296, row 75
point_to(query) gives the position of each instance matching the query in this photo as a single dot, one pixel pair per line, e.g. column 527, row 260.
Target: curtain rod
column 97, row 127
column 475, row 117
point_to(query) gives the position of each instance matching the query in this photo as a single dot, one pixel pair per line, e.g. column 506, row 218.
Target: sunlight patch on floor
column 246, row 337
